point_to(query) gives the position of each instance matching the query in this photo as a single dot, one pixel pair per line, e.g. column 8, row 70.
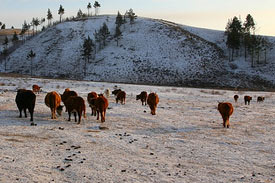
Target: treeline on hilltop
column 243, row 41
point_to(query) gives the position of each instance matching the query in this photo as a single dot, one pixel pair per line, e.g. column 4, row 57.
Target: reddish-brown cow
column 101, row 105
column 143, row 97
column 153, row 101
column 53, row 101
column 90, row 98
column 247, row 99
column 66, row 94
column 121, row 96
column 76, row 104
column 36, row 89
column 260, row 99
column 226, row 110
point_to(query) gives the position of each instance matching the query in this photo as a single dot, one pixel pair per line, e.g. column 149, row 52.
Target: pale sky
column 212, row 14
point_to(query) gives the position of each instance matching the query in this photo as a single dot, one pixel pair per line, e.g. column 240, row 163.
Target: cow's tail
column 84, row 111
column 52, row 101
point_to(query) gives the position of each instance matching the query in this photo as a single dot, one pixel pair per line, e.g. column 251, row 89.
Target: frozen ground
column 184, row 142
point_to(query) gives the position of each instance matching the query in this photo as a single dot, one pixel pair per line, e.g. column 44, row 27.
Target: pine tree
column 87, row 49
column 248, row 30
column 89, row 6
column 61, row 11
column 118, row 34
column 96, row 6
column 104, row 33
column 132, row 16
column 234, row 32
column 42, row 21
column 119, row 20
column 30, row 56
column 79, row 14
column 3, row 26
column 14, row 37
column 49, row 17
column 36, row 23
column 6, row 42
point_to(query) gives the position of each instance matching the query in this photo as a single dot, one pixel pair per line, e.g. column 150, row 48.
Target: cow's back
column 101, row 103
column 67, row 94
column 25, row 98
column 152, row 99
column 52, row 99
column 91, row 96
column 225, row 108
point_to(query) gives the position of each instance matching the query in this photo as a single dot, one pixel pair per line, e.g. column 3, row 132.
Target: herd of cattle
column 25, row 99
column 226, row 109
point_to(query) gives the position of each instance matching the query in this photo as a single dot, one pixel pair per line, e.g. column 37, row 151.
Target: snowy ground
column 184, row 142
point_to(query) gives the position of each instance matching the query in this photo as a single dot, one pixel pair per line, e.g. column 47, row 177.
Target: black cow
column 25, row 99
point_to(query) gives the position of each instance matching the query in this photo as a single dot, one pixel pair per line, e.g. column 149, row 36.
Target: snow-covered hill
column 150, row 52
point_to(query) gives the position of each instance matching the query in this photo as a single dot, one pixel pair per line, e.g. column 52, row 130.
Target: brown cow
column 226, row 110
column 76, row 104
column 36, row 89
column 90, row 97
column 66, row 94
column 25, row 99
column 101, row 104
column 260, row 99
column 236, row 98
column 121, row 96
column 53, row 100
column 153, row 101
column 247, row 99
column 143, row 97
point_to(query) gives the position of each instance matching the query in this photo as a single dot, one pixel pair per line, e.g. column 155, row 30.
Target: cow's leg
column 31, row 112
column 69, row 113
column 20, row 112
column 25, row 111
column 102, row 116
column 79, row 117
column 97, row 115
column 75, row 117
column 224, row 121
column 227, row 123
column 52, row 115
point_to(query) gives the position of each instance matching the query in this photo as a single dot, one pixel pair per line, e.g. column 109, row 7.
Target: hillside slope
column 150, row 52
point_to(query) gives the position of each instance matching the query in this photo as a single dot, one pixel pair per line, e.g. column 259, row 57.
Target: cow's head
column 59, row 110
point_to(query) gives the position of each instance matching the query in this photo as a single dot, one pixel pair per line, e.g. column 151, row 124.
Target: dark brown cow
column 76, row 104
column 25, row 99
column 121, row 96
column 36, row 89
column 101, row 104
column 247, row 99
column 236, row 98
column 226, row 110
column 143, row 97
column 260, row 99
column 90, row 98
column 53, row 101
column 116, row 91
column 66, row 94
column 153, row 101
